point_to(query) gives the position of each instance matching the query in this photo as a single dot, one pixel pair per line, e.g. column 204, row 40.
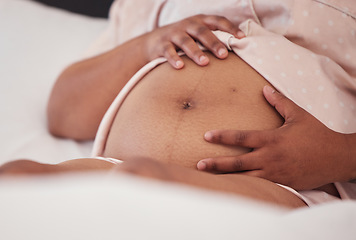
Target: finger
column 285, row 107
column 220, row 23
column 240, row 34
column 204, row 35
column 254, row 173
column 249, row 139
column 245, row 162
column 170, row 53
column 191, row 49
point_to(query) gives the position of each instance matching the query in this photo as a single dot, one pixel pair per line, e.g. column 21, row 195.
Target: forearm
column 85, row 90
column 351, row 149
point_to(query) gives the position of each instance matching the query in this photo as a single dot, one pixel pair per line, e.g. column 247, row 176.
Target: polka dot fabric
column 306, row 49
column 313, row 81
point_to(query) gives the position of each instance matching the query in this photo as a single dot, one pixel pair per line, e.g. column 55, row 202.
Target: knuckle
column 282, row 101
column 216, row 45
column 213, row 166
column 190, row 21
column 183, row 40
column 196, row 52
column 225, row 22
column 237, row 164
column 218, row 137
column 240, row 137
column 200, row 30
column 221, row 20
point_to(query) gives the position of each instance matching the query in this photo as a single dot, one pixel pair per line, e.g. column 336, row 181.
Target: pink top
column 304, row 48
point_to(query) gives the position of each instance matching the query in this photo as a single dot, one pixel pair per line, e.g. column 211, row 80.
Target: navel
column 187, row 105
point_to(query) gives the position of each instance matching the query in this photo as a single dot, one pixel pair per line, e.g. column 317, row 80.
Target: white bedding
column 36, row 43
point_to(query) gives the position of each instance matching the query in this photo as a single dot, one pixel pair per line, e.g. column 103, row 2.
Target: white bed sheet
column 123, row 207
column 36, row 43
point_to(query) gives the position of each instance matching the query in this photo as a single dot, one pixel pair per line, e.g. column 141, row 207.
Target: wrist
column 143, row 46
column 133, row 51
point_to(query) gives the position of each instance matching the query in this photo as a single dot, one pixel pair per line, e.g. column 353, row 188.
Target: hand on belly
column 166, row 115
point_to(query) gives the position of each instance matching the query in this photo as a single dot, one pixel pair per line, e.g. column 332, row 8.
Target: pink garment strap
column 105, row 125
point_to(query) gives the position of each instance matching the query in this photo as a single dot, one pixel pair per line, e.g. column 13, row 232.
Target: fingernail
column 179, row 64
column 222, row 52
column 208, row 136
column 201, row 165
column 269, row 89
column 203, row 59
column 240, row 34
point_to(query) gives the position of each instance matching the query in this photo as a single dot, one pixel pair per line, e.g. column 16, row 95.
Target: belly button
column 187, row 105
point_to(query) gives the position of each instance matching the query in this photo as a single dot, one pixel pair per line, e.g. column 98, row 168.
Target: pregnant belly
column 166, row 115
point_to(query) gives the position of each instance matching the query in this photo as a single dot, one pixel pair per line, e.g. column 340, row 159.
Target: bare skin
column 303, row 153
column 25, row 167
column 250, row 187
column 85, row 90
column 165, row 116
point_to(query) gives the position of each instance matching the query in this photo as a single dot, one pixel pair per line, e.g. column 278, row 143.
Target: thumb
column 285, row 107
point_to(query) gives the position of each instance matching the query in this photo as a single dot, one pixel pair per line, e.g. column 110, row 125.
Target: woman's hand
column 165, row 41
column 303, row 153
